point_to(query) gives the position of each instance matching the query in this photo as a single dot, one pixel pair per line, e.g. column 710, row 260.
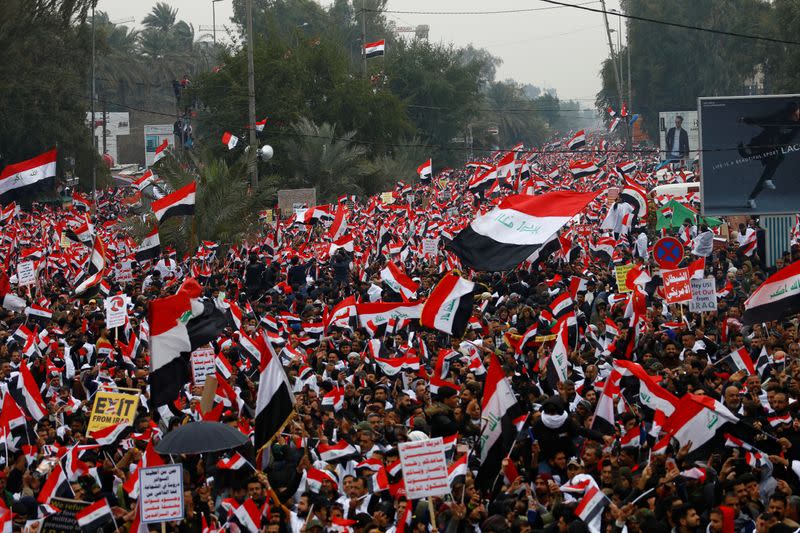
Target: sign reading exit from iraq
column 112, row 408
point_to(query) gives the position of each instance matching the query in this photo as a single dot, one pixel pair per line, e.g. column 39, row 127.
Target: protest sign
column 124, row 272
column 161, row 494
column 430, row 246
column 112, row 408
column 424, row 468
column 387, row 197
column 202, row 364
column 26, row 273
column 116, row 310
column 704, row 295
column 65, row 521
column 621, row 273
column 677, row 286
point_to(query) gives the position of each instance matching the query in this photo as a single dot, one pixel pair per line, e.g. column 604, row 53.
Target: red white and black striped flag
column 777, row 297
column 178, row 203
column 275, row 401
column 425, row 171
column 27, row 174
column 97, row 266
column 449, row 305
column 375, row 49
column 516, row 228
column 499, row 409
column 577, row 141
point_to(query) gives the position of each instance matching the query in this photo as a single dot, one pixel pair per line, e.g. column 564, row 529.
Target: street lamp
column 296, row 37
column 214, row 19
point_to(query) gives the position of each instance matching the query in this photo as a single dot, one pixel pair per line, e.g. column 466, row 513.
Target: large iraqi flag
column 27, row 174
column 776, row 298
column 521, row 224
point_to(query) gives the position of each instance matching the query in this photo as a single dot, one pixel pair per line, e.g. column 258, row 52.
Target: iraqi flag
column 94, row 516
column 260, row 124
column 457, row 472
column 397, row 280
column 108, row 435
column 234, row 462
column 275, row 401
column 147, row 179
column 380, row 313
column 742, row 360
column 179, row 324
column 697, row 419
column 636, row 196
column 25, row 392
column 178, row 203
column 449, row 305
column 581, row 169
column 150, row 247
column 425, row 171
column 93, row 275
column 499, row 409
column 651, row 394
column 230, row 140
column 339, row 226
column 375, row 49
column 776, row 298
column 161, row 151
column 516, row 228
column 56, row 484
column 590, row 508
column 339, row 451
column 577, row 141
column 27, row 175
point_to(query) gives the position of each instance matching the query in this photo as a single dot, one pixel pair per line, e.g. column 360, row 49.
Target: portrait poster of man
column 750, row 154
column 678, row 137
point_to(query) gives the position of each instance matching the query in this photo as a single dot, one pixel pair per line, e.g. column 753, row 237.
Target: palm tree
column 318, row 157
column 119, row 66
column 162, row 17
column 226, row 209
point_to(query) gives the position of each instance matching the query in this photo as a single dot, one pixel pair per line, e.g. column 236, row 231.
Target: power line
column 492, row 12
column 673, row 24
column 583, row 7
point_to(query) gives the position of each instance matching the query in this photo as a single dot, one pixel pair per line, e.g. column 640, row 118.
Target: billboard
column 750, row 154
column 667, row 129
column 290, row 200
column 154, row 135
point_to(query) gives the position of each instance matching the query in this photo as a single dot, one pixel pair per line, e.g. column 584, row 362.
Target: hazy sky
column 560, row 48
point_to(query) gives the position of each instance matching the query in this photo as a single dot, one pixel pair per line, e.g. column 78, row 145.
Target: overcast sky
column 556, row 48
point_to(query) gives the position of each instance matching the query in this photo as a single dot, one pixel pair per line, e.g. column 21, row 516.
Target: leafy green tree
column 44, row 93
column 226, row 208
column 671, row 67
column 320, row 157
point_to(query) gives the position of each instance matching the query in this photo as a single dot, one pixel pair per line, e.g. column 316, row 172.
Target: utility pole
column 105, row 126
column 364, row 34
column 616, row 70
column 92, row 128
column 628, row 53
column 251, row 90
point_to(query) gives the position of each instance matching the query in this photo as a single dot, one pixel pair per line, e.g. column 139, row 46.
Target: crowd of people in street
column 591, row 449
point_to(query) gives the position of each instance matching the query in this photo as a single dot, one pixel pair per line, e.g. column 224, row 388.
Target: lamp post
column 214, row 19
column 251, row 97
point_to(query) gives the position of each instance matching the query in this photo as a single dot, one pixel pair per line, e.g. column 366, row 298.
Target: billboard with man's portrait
column 678, row 136
column 749, row 154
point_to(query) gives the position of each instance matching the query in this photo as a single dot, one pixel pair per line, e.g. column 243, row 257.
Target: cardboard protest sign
column 704, row 295
column 677, row 285
column 621, row 274
column 203, row 360
column 26, row 273
column 112, row 408
column 116, row 310
column 161, row 493
column 424, row 468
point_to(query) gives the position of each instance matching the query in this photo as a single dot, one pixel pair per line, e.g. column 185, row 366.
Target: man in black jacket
column 677, row 141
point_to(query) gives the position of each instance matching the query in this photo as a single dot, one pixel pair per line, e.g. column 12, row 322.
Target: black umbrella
column 200, row 437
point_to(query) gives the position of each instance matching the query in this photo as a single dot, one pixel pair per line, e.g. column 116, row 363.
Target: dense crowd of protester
column 744, row 479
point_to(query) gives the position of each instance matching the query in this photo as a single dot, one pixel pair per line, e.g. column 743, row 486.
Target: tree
column 44, row 93
column 671, row 67
column 319, row 157
column 226, row 209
